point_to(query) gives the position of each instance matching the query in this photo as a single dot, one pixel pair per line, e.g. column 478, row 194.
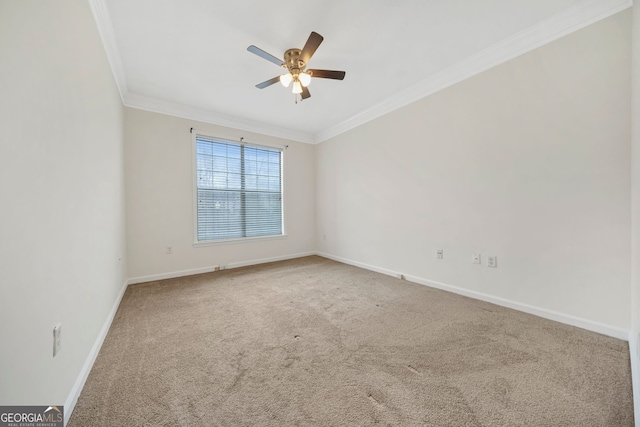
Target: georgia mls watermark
column 31, row 416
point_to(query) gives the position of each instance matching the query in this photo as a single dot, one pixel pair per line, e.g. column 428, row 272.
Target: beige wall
column 528, row 161
column 159, row 193
column 62, row 246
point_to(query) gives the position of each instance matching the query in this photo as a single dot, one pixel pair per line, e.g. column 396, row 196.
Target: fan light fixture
column 285, row 79
column 301, row 79
column 304, row 78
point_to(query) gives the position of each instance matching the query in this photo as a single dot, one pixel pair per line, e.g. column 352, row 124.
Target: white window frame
column 196, row 243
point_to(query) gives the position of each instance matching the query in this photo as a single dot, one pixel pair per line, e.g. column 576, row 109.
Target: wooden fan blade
column 261, row 53
column 310, row 46
column 269, row 82
column 328, row 74
column 305, row 93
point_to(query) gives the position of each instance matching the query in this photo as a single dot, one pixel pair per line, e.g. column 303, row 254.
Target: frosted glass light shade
column 297, row 88
column 285, row 79
column 305, row 79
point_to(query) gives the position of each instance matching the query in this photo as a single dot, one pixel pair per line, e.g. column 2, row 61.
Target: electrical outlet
column 169, row 250
column 57, row 339
column 492, row 261
column 476, row 259
column 439, row 253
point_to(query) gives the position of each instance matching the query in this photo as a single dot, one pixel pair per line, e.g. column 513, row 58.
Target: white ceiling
column 188, row 58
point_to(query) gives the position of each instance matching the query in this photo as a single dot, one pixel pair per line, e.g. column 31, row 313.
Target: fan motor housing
column 292, row 59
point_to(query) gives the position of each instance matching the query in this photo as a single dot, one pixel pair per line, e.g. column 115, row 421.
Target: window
column 238, row 190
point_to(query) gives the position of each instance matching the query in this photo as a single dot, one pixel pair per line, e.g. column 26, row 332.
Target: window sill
column 239, row 240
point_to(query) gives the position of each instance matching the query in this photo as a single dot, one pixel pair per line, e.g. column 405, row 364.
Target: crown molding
column 154, row 105
column 105, row 29
column 553, row 28
column 562, row 24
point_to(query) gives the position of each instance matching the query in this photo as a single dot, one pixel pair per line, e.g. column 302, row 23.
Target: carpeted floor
column 312, row 342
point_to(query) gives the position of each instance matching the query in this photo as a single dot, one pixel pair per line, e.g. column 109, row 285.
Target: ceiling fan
column 295, row 61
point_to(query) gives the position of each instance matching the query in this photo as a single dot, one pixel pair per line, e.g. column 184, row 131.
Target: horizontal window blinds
column 239, row 190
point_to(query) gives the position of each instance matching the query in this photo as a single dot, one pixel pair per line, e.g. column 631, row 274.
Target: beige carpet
column 312, row 342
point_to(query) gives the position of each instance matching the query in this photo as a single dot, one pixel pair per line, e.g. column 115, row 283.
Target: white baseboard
column 590, row 325
column 568, row 319
column 171, row 275
column 266, row 260
column 72, row 399
column 359, row 264
column 191, row 272
column 634, row 353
